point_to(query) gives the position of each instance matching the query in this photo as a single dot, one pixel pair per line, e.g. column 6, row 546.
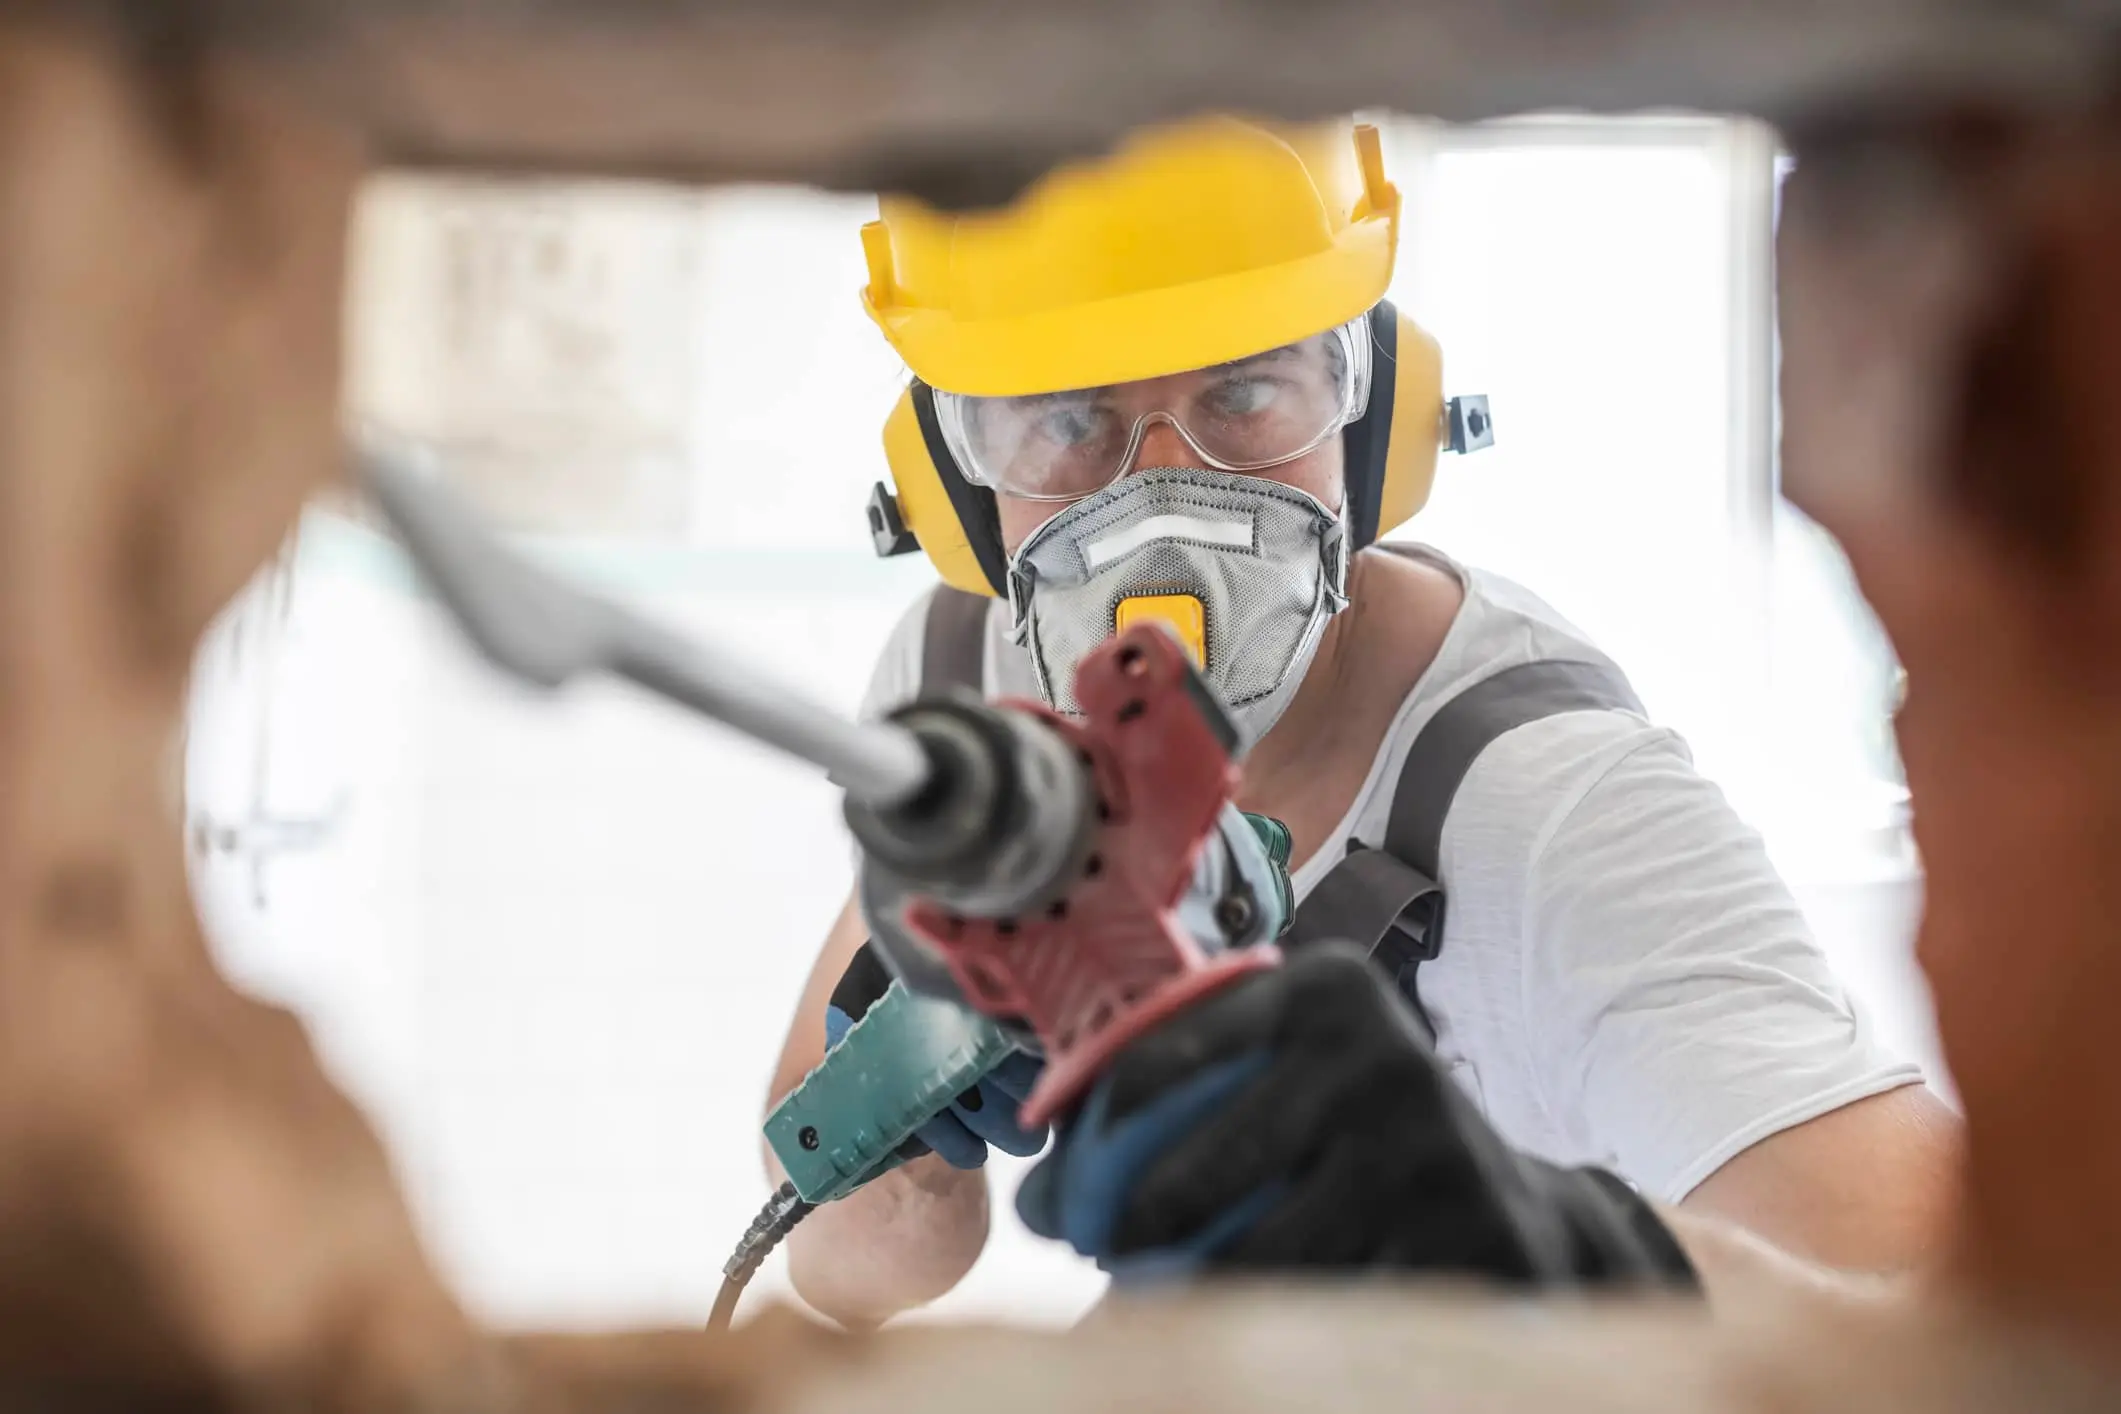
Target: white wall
column 555, row 943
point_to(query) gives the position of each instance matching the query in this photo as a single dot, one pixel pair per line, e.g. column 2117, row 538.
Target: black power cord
column 774, row 1222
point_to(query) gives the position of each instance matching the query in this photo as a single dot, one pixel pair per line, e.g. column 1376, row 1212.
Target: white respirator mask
column 1244, row 571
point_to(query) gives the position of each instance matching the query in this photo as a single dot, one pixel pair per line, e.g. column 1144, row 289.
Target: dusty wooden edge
column 964, row 101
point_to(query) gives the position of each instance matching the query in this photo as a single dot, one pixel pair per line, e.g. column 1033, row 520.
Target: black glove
column 1299, row 1121
column 983, row 1116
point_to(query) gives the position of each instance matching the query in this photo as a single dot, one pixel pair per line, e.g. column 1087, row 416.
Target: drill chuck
column 1004, row 821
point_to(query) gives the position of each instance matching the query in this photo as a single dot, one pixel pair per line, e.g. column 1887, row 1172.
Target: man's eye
column 1072, row 425
column 1242, row 397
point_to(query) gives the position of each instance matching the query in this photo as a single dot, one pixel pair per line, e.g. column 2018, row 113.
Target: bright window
column 1582, row 287
column 1609, row 286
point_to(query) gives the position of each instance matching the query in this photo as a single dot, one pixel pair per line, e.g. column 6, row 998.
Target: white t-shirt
column 1625, row 980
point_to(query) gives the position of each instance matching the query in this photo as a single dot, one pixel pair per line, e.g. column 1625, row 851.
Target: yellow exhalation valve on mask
column 1182, row 614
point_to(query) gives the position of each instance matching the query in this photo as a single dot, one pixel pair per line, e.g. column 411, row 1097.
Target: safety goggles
column 1246, row 415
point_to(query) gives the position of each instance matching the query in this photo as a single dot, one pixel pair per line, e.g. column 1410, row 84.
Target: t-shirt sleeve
column 896, row 678
column 1674, row 996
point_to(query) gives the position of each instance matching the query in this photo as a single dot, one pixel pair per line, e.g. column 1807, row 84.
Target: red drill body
column 1107, row 959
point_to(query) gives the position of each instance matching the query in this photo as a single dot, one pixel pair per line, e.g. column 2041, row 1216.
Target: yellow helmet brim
column 1149, row 334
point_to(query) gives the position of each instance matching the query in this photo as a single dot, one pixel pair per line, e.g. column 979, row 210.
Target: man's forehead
column 1311, row 350
column 1303, row 351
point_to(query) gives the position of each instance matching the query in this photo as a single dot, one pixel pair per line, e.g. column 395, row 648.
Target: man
column 1167, row 386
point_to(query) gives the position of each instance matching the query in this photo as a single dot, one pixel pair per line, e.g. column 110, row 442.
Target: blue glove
column 984, row 1115
column 1080, row 1192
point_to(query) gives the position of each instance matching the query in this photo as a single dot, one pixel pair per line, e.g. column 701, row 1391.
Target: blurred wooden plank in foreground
column 964, row 100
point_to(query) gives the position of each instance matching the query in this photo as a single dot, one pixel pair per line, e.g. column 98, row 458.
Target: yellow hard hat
column 1189, row 246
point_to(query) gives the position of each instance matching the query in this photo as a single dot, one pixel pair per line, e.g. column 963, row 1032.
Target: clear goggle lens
column 1242, row 416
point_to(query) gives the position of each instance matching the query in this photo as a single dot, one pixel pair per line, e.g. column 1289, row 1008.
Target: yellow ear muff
column 954, row 520
column 925, row 504
column 1416, row 431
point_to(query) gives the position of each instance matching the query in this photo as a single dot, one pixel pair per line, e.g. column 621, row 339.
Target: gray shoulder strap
column 1468, row 724
column 954, row 640
column 1386, row 899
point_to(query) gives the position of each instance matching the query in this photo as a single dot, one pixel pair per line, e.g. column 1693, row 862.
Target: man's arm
column 1855, row 1202
column 896, row 1243
column 1677, row 1003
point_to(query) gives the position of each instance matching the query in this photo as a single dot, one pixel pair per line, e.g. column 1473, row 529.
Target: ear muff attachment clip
column 887, row 529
